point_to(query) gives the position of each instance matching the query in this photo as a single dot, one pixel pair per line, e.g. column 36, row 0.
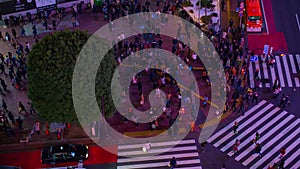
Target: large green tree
column 50, row 69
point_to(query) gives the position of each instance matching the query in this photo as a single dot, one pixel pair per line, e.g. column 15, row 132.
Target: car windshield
column 254, row 18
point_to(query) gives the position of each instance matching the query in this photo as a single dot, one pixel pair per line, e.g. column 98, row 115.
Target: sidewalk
column 90, row 22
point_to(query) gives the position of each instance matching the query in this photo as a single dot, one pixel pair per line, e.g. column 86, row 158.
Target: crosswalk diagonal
column 286, row 69
column 159, row 156
column 277, row 129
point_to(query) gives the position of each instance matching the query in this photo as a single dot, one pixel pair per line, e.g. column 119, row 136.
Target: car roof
column 62, row 148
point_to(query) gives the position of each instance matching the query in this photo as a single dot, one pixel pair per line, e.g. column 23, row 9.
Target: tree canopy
column 50, row 70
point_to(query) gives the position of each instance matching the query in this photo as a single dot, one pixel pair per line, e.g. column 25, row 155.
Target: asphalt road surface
column 285, row 19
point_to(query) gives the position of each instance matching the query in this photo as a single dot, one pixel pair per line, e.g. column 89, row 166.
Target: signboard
column 253, row 58
column 266, row 49
column 12, row 6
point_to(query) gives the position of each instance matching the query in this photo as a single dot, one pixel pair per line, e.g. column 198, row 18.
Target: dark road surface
column 285, row 20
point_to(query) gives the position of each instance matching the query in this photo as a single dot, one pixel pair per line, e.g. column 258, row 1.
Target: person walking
column 4, row 105
column 22, row 108
column 173, row 163
column 20, row 123
column 14, row 33
column 236, row 147
column 282, row 101
column 205, row 100
column 257, row 149
column 235, row 127
column 3, row 84
column 22, row 32
column 11, row 117
column 242, row 107
column 223, row 5
column 255, row 98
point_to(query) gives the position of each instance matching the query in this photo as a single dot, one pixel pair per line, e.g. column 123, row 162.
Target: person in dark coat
column 20, row 123
column 11, row 117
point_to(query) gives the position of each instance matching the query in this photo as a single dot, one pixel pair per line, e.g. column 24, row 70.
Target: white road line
column 229, row 135
column 197, row 161
column 266, row 75
column 270, row 143
column 229, row 126
column 264, row 137
column 275, row 149
column 265, row 127
column 273, row 74
column 279, row 71
column 298, row 61
column 295, row 154
column 291, row 57
column 296, row 165
column 158, row 144
column 187, row 148
column 159, row 157
column 258, row 68
column 244, row 133
column 297, row 19
column 287, row 72
column 251, row 75
column 263, row 8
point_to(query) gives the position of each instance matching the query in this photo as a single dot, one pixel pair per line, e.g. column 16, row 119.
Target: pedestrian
column 20, row 122
column 22, row 31
column 37, row 127
column 73, row 21
column 4, row 105
column 3, row 84
column 32, row 109
column 282, row 101
column 205, row 100
column 223, row 166
column 230, row 23
column 173, row 163
column 14, row 33
column 235, row 127
column 22, row 108
column 203, row 146
column 255, row 97
column 233, row 106
column 223, row 5
column 257, row 136
column 1, row 36
column 11, row 117
column 287, row 101
column 257, row 149
column 242, row 107
column 236, row 147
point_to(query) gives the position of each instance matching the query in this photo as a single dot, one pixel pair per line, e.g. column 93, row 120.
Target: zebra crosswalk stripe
column 278, row 117
column 249, row 112
column 287, row 72
column 277, row 128
column 261, row 120
column 159, row 156
column 294, row 70
column 280, row 73
column 278, row 147
column 284, row 69
column 241, row 126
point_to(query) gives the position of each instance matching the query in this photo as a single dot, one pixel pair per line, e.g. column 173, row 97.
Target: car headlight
column 87, row 155
column 87, row 147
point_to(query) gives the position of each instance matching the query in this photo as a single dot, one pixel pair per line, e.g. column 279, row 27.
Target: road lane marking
column 280, row 73
column 263, row 8
column 297, row 19
column 288, row 75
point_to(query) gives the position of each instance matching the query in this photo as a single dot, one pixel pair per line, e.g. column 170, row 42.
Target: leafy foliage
column 50, row 70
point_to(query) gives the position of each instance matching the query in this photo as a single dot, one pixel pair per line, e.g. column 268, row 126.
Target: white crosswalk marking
column 285, row 69
column 159, row 156
column 294, row 70
column 277, row 129
column 280, row 74
column 288, row 75
column 249, row 112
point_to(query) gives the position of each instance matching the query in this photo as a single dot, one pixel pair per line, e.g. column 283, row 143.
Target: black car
column 64, row 153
